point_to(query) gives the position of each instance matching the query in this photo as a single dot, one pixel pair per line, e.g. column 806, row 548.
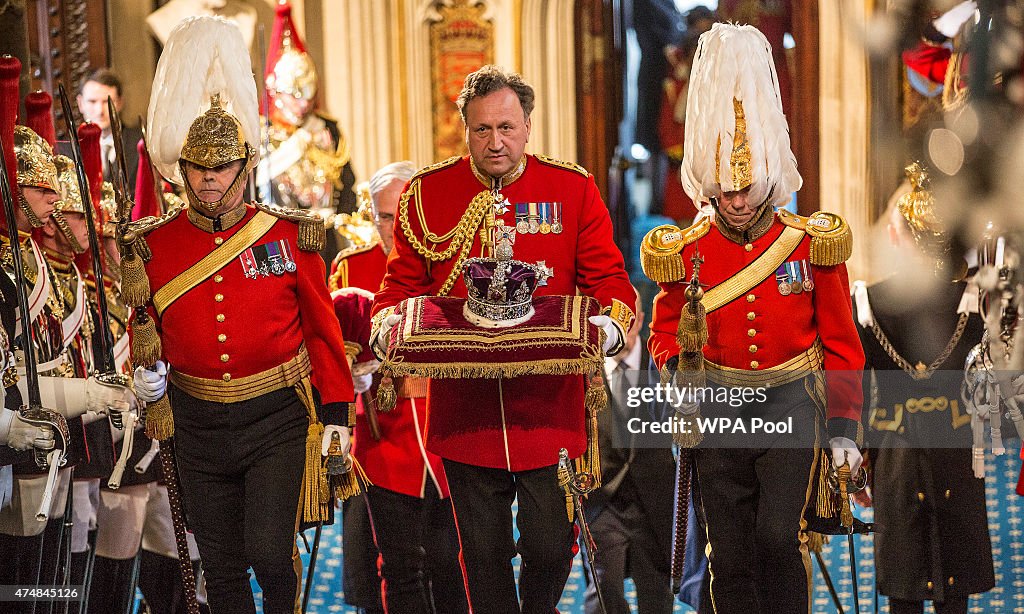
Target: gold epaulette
column 426, row 170
column 572, row 166
column 312, row 228
column 148, row 224
column 660, row 250
column 831, row 236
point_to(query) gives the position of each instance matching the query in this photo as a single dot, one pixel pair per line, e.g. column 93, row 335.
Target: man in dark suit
column 92, row 103
column 630, row 516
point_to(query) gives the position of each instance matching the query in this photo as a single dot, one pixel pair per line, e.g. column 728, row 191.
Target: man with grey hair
column 500, row 438
column 412, row 521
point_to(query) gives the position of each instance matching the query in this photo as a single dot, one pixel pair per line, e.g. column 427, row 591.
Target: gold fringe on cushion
column 571, row 366
column 146, row 346
column 159, row 419
column 135, row 290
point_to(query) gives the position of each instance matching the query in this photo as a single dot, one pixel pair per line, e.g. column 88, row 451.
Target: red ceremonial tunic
column 231, row 326
column 782, row 326
column 519, row 423
column 399, row 461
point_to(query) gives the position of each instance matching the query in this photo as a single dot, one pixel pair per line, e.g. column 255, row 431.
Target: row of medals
column 278, row 265
column 796, row 286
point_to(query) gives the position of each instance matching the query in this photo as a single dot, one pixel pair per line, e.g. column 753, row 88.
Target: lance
column 170, row 470
column 33, row 412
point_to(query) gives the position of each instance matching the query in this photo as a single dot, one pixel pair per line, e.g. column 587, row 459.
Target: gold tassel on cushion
column 159, row 419
column 387, row 398
column 134, row 281
column 146, row 347
column 316, row 498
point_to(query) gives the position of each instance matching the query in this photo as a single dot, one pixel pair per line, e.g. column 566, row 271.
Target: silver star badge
column 500, row 204
column 544, row 272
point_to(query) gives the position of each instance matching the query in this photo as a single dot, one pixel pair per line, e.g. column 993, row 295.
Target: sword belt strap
column 796, row 368
column 248, row 387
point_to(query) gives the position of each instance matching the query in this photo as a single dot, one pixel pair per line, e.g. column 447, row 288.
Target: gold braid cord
column 461, row 236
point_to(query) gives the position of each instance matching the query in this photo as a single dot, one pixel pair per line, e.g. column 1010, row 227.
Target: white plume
column 203, row 56
column 736, row 62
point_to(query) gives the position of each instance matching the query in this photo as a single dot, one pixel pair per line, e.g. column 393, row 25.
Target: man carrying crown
column 772, row 311
column 500, row 438
column 237, row 326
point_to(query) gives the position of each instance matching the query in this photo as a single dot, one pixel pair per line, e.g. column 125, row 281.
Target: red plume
column 89, row 140
column 39, row 116
column 284, row 27
column 10, row 74
column 145, row 190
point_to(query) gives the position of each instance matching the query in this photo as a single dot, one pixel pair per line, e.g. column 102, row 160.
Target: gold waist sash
column 795, row 368
column 244, row 388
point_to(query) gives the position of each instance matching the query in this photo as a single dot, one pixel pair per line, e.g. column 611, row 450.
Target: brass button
column 218, row 298
column 218, row 278
column 227, row 377
column 752, row 349
column 748, row 247
column 947, row 493
column 751, row 332
column 754, row 364
column 920, row 497
column 751, row 316
column 218, row 240
column 222, row 337
column 950, row 581
column 220, row 317
column 930, row 585
column 224, row 357
column 750, row 298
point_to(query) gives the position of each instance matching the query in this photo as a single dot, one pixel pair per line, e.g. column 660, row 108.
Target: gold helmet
column 108, row 205
column 35, row 167
column 70, row 202
column 918, row 208
column 203, row 108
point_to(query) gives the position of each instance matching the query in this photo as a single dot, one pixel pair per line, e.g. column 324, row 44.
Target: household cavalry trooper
column 769, row 307
column 38, row 192
column 234, row 322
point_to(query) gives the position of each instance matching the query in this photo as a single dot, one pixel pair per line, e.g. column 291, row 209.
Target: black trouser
column 241, row 468
column 627, row 548
column 482, row 498
column 419, row 549
column 753, row 500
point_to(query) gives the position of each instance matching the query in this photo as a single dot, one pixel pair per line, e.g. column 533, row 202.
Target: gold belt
column 795, row 368
column 248, row 387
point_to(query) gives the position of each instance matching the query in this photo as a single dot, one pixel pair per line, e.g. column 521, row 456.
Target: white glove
column 380, row 342
column 613, row 334
column 845, row 451
column 362, row 383
column 104, row 398
column 344, row 433
column 21, row 435
column 151, row 385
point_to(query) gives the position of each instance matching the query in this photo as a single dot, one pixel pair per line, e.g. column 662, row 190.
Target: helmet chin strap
column 208, row 208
